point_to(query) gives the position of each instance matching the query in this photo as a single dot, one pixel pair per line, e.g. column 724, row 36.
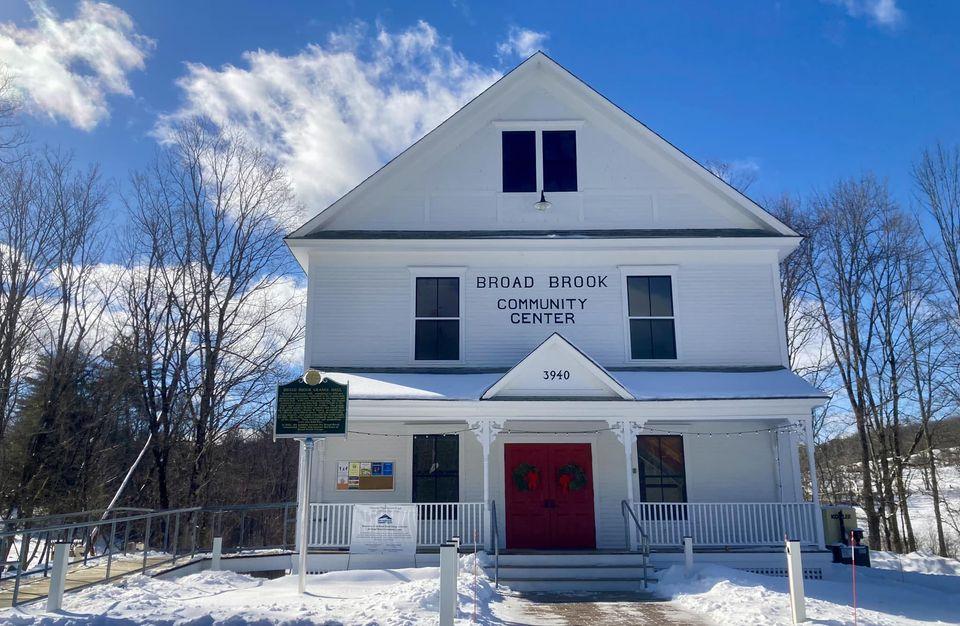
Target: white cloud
column 521, row 42
column 333, row 113
column 65, row 68
column 880, row 12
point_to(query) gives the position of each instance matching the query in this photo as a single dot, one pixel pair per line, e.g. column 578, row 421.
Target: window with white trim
column 651, row 317
column 437, row 319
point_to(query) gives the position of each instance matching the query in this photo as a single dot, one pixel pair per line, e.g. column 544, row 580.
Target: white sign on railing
column 389, row 529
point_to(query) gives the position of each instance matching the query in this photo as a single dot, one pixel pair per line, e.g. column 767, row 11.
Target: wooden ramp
column 80, row 575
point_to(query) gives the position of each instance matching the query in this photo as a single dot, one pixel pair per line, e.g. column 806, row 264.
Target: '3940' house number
column 556, row 374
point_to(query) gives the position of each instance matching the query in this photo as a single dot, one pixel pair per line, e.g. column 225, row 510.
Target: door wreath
column 571, row 477
column 526, row 477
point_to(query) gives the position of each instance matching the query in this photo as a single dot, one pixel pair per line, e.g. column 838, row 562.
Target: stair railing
column 495, row 534
column 628, row 515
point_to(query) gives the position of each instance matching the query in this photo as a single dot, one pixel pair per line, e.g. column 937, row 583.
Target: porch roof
column 643, row 384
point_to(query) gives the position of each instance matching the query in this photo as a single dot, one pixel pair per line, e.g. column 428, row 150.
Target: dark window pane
column 640, row 344
column 448, row 489
column 437, row 340
column 448, row 340
column 424, row 489
column 447, row 453
column 661, row 296
column 671, row 455
column 559, row 160
column 519, row 160
column 425, row 342
column 427, row 297
column 652, row 494
column 662, row 339
column 648, row 452
column 448, row 297
column 638, row 296
column 423, row 454
column 671, row 494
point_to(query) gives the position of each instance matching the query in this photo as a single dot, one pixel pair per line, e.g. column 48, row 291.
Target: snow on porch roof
column 644, row 385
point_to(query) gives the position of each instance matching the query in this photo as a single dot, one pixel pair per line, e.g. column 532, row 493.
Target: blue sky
column 804, row 92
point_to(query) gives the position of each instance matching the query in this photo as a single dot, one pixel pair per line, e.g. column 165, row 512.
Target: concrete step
column 575, row 584
column 570, row 559
column 550, row 572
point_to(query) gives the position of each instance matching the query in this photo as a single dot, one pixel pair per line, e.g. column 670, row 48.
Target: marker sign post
column 306, row 409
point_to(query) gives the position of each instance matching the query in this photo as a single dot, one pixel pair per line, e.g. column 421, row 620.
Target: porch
column 727, row 526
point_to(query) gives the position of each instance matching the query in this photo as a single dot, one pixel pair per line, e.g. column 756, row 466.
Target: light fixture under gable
column 542, row 204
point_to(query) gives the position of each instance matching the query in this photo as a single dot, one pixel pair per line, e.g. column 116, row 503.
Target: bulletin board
column 366, row 475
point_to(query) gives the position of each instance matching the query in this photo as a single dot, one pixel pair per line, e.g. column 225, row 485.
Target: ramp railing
column 127, row 541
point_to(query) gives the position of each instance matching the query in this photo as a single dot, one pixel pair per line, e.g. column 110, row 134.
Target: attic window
column 553, row 169
column 559, row 160
column 519, row 160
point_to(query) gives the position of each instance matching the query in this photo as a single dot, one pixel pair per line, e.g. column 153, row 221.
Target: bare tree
column 72, row 311
column 159, row 319
column 232, row 202
column 738, row 176
column 843, row 251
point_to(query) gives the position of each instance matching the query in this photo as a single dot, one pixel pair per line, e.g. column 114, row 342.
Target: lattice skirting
column 809, row 573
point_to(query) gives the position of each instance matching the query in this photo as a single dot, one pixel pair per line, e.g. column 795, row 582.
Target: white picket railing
column 728, row 524
column 331, row 523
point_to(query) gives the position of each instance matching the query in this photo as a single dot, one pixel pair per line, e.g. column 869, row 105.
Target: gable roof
column 571, row 356
column 543, row 63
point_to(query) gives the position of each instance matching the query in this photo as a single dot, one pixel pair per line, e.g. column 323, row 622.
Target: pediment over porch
column 556, row 369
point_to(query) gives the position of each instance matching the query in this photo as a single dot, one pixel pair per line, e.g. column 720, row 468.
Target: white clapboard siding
column 361, row 315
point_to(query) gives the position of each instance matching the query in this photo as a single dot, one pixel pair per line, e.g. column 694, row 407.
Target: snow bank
column 402, row 597
column 884, row 598
column 922, row 562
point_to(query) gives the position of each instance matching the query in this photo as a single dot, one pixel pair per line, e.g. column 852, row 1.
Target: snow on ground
column 924, row 591
column 922, row 562
column 884, row 597
column 398, row 597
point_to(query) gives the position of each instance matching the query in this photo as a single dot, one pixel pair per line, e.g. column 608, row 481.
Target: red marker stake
column 476, row 540
column 853, row 568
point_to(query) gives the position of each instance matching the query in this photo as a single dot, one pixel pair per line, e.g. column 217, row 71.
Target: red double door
column 549, row 496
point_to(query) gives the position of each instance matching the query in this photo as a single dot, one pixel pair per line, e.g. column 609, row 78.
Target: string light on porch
column 793, row 427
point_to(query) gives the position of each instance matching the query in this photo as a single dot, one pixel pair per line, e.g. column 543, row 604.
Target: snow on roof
column 642, row 384
column 415, row 386
column 706, row 385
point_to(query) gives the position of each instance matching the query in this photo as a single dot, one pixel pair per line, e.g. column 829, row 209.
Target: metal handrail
column 495, row 534
column 625, row 509
column 102, row 539
column 20, row 521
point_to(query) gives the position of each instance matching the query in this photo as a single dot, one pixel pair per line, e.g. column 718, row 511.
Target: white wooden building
column 548, row 372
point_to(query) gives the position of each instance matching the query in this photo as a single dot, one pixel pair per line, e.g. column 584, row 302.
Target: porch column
column 486, row 431
column 625, row 431
column 814, row 486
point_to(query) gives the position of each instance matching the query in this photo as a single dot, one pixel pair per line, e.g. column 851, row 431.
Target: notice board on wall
column 365, row 475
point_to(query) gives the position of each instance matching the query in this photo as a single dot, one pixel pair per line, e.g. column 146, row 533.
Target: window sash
column 433, row 483
column 437, row 318
column 647, row 294
column 655, row 483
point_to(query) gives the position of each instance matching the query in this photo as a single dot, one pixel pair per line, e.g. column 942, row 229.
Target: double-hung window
column 651, row 317
column 555, row 169
column 661, row 468
column 437, row 319
column 436, row 473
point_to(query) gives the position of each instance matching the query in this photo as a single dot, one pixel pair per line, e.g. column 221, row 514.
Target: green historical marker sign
column 311, row 410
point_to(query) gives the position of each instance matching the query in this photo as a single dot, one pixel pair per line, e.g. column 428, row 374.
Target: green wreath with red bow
column 526, row 477
column 571, row 477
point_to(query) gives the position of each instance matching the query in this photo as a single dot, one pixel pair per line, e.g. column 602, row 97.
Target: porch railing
column 330, row 524
column 728, row 524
